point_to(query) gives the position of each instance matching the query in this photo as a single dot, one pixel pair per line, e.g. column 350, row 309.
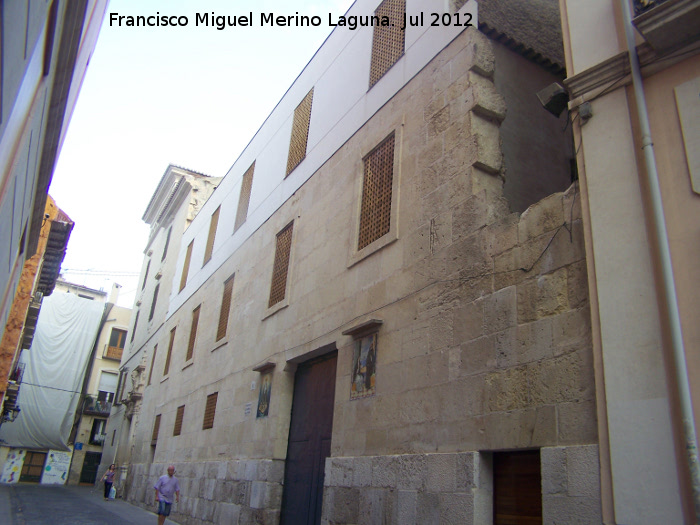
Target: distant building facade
column 361, row 324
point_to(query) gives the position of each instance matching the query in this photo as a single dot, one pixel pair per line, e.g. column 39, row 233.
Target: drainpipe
column 668, row 281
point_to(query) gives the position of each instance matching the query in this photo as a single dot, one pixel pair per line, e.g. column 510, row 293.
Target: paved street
column 29, row 504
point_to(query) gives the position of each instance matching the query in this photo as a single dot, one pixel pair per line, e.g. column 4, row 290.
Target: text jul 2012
column 352, row 22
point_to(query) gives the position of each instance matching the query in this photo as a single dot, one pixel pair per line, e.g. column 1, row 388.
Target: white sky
column 190, row 96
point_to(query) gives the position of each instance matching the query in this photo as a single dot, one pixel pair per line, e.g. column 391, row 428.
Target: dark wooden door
column 91, row 463
column 33, row 466
column 309, row 441
column 517, row 492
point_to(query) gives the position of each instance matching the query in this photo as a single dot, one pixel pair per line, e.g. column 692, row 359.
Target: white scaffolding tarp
column 55, row 367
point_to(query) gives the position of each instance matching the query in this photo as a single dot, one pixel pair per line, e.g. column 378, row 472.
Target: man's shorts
column 164, row 508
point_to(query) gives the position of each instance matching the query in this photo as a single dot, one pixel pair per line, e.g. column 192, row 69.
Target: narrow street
column 30, row 504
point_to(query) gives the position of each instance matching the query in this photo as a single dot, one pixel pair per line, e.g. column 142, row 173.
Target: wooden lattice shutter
column 244, row 197
column 145, row 275
column 156, row 428
column 281, row 265
column 177, row 429
column 186, row 266
column 153, row 362
column 300, row 132
column 375, row 212
column 170, row 352
column 212, row 235
column 225, row 309
column 136, row 323
column 167, row 243
column 193, row 333
column 155, row 300
column 387, row 41
column 210, row 411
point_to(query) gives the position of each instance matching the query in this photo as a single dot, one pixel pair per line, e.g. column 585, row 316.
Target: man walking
column 166, row 486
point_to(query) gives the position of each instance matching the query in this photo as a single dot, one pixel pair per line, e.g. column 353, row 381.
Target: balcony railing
column 98, row 439
column 96, row 407
column 113, row 352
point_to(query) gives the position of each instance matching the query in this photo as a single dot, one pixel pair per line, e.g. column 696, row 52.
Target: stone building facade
column 381, row 305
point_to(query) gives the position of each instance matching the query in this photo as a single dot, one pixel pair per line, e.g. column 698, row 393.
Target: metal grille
column 210, row 411
column 281, row 266
column 300, row 132
column 177, row 429
column 225, row 309
column 153, row 362
column 244, row 198
column 375, row 213
column 156, row 428
column 186, row 266
column 388, row 41
column 212, row 235
column 170, row 352
column 193, row 333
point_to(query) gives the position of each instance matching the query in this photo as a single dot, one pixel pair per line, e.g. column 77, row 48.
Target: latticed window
column 300, row 132
column 177, row 429
column 244, row 197
column 166, row 369
column 193, row 333
column 153, row 362
column 155, row 300
column 136, row 322
column 225, row 309
column 156, row 428
column 167, row 243
column 388, row 41
column 375, row 211
column 212, row 235
column 186, row 266
column 281, row 266
column 145, row 275
column 210, row 411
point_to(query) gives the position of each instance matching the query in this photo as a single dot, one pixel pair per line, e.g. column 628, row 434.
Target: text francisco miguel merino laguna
column 352, row 22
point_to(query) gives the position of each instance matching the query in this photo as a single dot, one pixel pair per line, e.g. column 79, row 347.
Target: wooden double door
column 309, row 441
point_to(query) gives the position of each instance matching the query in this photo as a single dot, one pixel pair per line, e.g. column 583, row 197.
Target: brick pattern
column 387, row 41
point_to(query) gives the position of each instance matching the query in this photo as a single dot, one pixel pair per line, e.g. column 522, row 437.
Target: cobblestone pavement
column 30, row 504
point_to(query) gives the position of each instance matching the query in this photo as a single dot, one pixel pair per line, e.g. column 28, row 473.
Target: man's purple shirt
column 167, row 487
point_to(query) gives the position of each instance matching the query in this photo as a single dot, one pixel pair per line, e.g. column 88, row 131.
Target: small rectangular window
column 387, row 41
column 186, row 266
column 167, row 243
column 212, row 235
column 225, row 309
column 375, row 210
column 156, row 428
column 517, row 487
column 210, row 411
column 166, row 369
column 117, row 338
column 177, row 429
column 300, row 132
column 153, row 362
column 244, row 197
column 193, row 333
column 153, row 303
column 281, row 265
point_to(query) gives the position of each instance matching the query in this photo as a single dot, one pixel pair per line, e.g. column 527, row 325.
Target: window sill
column 276, row 308
column 188, row 364
column 165, row 378
column 371, row 248
column 219, row 344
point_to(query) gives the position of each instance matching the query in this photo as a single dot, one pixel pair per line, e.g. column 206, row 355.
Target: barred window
column 212, row 235
column 193, row 333
column 225, row 309
column 166, row 369
column 387, row 41
column 375, row 211
column 300, row 132
column 244, row 197
column 177, row 429
column 210, row 411
column 281, row 265
column 153, row 362
column 186, row 266
column 156, row 428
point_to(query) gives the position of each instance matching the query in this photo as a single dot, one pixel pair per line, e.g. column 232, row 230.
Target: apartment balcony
column 113, row 352
column 98, row 439
column 667, row 24
column 95, row 407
